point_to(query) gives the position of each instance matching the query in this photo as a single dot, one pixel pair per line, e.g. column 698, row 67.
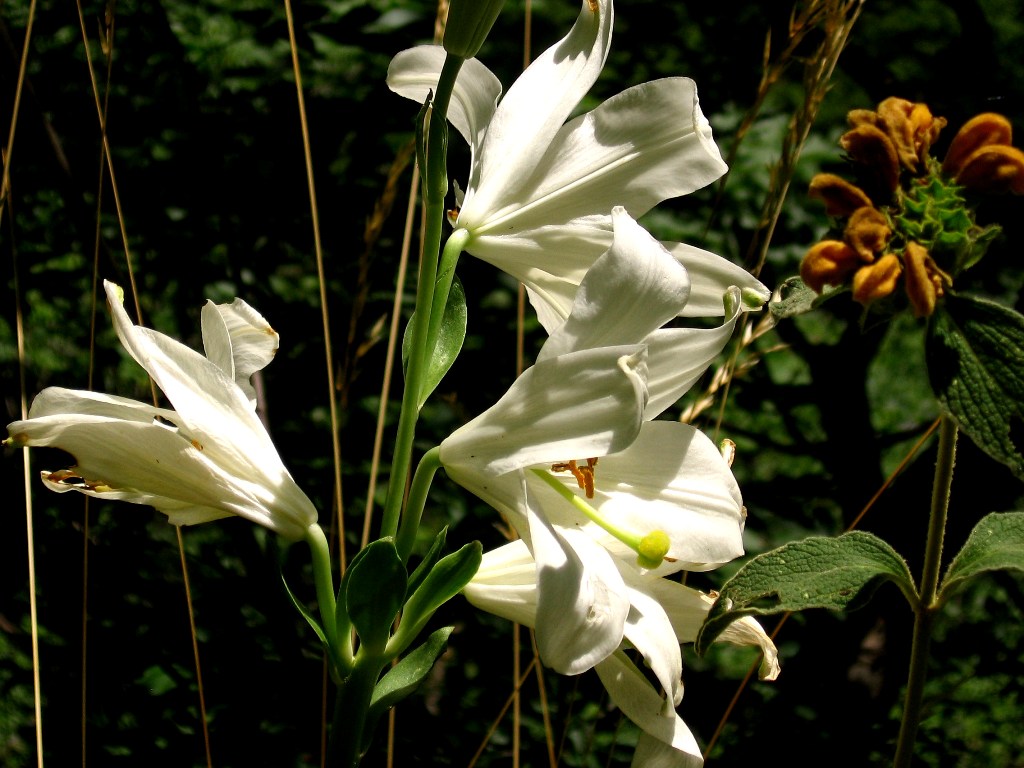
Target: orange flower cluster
column 891, row 147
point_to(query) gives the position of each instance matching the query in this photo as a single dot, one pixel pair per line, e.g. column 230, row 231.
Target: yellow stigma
column 652, row 549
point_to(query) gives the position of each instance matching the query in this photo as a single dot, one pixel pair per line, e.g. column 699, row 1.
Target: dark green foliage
column 207, row 151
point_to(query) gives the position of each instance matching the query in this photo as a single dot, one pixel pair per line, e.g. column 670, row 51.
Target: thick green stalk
column 345, row 749
column 926, row 609
column 434, row 190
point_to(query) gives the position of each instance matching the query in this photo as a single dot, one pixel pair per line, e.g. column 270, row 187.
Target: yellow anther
column 584, row 475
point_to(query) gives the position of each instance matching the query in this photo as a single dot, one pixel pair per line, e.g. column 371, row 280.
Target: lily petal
column 582, row 603
column 710, row 277
column 534, row 110
column 413, row 73
column 638, row 700
column 629, row 292
column 677, row 357
column 239, row 340
column 210, row 406
column 154, row 464
column 649, row 630
column 646, row 144
column 585, row 403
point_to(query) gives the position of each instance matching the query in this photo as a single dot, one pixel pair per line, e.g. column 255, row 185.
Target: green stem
column 926, row 609
column 434, row 190
column 345, row 748
column 428, row 466
column 323, row 579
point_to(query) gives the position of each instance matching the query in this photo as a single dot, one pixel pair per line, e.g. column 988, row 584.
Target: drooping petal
column 677, row 357
column 629, row 292
column 413, row 73
column 746, row 631
column 636, row 697
column 649, row 630
column 652, row 753
column 585, row 403
column 239, row 340
column 581, row 599
column 533, row 111
column 710, row 277
column 649, row 143
column 672, row 479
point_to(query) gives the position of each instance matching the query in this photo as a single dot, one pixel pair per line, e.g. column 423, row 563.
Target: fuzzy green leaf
column 374, row 590
column 975, row 358
column 820, row 572
column 996, row 543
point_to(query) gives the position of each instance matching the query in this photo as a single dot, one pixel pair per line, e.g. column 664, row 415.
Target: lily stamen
column 651, row 548
column 584, row 475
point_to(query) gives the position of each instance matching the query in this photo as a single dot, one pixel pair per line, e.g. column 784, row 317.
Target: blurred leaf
column 820, row 572
column 157, row 681
column 975, row 355
column 996, row 543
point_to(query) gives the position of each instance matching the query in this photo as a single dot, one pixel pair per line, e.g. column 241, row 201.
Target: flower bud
column 923, row 280
column 870, row 146
column 828, row 263
column 867, row 232
column 469, row 23
column 841, row 198
column 876, row 281
column 994, row 169
column 980, row 131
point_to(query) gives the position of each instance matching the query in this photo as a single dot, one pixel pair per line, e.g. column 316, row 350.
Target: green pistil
column 651, row 549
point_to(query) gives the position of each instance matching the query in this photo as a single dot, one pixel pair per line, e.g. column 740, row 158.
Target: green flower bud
column 469, row 23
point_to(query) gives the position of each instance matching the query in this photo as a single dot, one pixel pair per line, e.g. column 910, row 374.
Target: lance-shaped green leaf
column 374, row 589
column 403, row 678
column 315, row 624
column 449, row 341
column 975, row 357
column 819, row 572
column 429, row 560
column 996, row 543
column 445, row 580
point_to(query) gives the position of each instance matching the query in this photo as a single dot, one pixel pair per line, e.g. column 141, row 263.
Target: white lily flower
column 540, row 188
column 209, row 458
column 659, row 485
column 661, row 615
